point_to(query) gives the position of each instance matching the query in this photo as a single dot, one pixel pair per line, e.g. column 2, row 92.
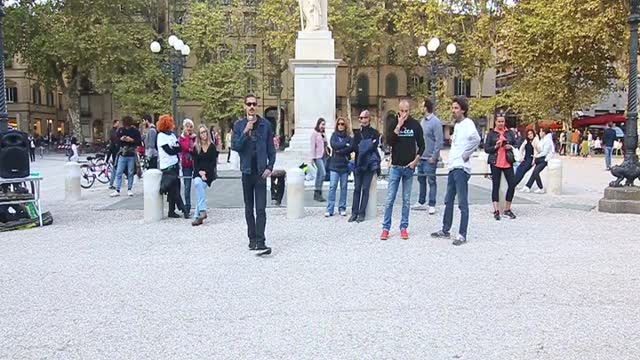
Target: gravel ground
column 553, row 284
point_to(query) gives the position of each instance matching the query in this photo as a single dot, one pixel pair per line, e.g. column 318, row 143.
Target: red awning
column 599, row 120
column 550, row 124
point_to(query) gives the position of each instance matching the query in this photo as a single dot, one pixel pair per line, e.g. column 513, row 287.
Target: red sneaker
column 404, row 234
column 384, row 235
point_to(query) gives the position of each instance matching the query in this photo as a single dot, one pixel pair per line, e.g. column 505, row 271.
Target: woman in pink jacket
column 187, row 143
column 318, row 150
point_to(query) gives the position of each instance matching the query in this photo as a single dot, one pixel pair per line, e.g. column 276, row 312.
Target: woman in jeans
column 498, row 145
column 205, row 160
column 341, row 149
column 168, row 150
column 545, row 152
column 318, row 149
column 527, row 151
column 130, row 139
column 187, row 143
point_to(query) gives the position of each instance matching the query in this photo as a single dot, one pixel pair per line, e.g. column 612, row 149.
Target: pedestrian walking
column 575, row 142
column 527, row 151
column 32, row 147
column 404, row 135
column 252, row 140
column 187, row 144
column 318, row 152
column 609, row 139
column 499, row 145
column 129, row 139
column 367, row 163
column 433, row 140
column 205, row 161
column 464, row 142
column 150, row 141
column 545, row 153
column 168, row 158
column 341, row 149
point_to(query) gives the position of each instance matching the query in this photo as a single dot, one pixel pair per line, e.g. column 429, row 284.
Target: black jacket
column 490, row 144
column 207, row 162
column 341, row 149
column 365, row 133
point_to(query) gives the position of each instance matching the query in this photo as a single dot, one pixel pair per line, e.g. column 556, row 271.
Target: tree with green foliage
column 68, row 44
column 564, row 53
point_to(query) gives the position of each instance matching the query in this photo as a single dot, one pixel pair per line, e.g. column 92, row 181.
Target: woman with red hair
column 168, row 150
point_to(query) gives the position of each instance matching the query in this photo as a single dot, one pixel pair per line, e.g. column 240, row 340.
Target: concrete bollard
column 153, row 201
column 504, row 186
column 235, row 160
column 72, row 189
column 479, row 162
column 372, row 205
column 295, row 193
column 554, row 177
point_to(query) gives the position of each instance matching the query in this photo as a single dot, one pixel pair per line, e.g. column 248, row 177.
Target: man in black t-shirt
column 405, row 136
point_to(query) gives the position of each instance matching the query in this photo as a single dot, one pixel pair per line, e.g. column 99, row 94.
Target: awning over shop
column 599, row 120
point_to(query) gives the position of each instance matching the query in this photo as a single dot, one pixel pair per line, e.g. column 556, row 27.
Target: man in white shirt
column 464, row 142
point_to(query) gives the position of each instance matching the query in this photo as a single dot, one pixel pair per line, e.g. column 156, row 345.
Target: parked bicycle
column 95, row 169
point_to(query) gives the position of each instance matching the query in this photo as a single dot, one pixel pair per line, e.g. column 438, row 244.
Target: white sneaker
column 129, row 193
column 115, row 194
column 327, row 214
column 419, row 206
column 539, row 191
column 343, row 213
column 432, row 210
column 525, row 189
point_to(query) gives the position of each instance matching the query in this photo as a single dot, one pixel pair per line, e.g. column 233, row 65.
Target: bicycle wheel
column 87, row 177
column 102, row 171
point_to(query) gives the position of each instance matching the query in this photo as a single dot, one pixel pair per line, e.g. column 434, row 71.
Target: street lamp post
column 435, row 68
column 4, row 117
column 630, row 168
column 174, row 66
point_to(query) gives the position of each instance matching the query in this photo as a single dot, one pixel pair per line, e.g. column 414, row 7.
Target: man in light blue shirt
column 433, row 139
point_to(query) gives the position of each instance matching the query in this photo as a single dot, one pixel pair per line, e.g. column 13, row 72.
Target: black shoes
column 440, row 235
column 360, row 218
column 261, row 247
column 253, row 246
column 173, row 215
column 510, row 214
column 354, row 217
column 496, row 215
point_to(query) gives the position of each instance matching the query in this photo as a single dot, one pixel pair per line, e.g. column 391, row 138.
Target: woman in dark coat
column 341, row 149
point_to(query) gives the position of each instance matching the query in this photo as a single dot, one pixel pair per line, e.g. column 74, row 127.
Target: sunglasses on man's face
column 251, row 104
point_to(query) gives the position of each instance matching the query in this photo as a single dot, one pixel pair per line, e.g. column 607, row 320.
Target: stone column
column 295, row 193
column 372, row 205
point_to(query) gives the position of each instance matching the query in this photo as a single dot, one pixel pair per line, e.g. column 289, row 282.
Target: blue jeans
column 457, row 184
column 608, row 152
column 335, row 178
column 426, row 168
column 397, row 174
column 187, row 173
column 130, row 163
column 254, row 189
column 320, row 174
column 362, row 183
column 574, row 149
column 201, row 196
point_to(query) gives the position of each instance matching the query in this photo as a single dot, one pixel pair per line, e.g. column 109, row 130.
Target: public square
column 559, row 282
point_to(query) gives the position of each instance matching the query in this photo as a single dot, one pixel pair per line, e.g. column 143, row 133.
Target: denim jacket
column 265, row 151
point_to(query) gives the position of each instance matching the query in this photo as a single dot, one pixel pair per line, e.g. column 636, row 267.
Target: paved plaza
column 560, row 282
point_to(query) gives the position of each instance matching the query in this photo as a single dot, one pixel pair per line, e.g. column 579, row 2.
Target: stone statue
column 313, row 15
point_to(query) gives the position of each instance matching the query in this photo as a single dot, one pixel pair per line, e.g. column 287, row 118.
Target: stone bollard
column 372, row 205
column 554, row 177
column 479, row 162
column 72, row 181
column 235, row 160
column 153, row 201
column 504, row 186
column 295, row 193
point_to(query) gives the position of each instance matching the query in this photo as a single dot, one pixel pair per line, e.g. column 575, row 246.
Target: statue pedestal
column 314, row 70
column 622, row 200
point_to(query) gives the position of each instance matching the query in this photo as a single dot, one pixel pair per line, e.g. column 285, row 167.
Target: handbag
column 517, row 156
column 169, row 176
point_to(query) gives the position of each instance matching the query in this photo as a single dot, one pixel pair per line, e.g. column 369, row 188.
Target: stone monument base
column 622, row 200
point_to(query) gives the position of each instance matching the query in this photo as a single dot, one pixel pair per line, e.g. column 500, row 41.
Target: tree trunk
column 279, row 117
column 72, row 101
column 349, row 90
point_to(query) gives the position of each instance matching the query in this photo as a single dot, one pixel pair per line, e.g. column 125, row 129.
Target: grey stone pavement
column 556, row 283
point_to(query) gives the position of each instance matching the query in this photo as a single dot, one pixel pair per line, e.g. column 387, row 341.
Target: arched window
column 391, row 85
column 362, row 90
